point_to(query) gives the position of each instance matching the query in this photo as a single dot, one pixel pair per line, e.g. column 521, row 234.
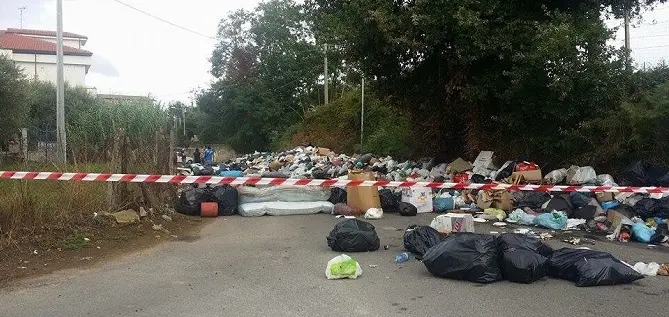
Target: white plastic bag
column 342, row 266
column 581, row 175
column 420, row 197
column 649, row 269
column 606, row 180
column 556, row 176
column 374, row 213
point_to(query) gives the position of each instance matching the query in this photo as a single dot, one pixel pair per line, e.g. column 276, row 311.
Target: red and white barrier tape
column 180, row 179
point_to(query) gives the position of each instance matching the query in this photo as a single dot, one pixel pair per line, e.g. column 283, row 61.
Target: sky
column 136, row 54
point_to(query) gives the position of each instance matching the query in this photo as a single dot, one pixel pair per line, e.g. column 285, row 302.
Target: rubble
column 126, row 216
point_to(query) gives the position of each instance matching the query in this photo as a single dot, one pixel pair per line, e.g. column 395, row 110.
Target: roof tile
column 24, row 44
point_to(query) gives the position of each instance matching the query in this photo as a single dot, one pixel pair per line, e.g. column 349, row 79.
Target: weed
column 75, row 241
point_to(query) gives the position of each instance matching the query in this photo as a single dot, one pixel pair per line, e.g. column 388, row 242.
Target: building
column 35, row 52
column 124, row 98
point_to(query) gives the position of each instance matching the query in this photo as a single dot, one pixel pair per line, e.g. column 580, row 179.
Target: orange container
column 208, row 209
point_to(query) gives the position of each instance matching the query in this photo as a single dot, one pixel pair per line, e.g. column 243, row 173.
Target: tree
column 266, row 66
column 13, row 99
column 520, row 77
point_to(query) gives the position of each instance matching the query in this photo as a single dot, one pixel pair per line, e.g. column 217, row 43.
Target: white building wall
column 43, row 67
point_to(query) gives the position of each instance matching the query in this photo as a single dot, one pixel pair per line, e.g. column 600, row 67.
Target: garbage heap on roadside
column 485, row 258
column 620, row 216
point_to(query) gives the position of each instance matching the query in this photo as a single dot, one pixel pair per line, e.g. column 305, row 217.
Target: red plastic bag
column 526, row 166
column 461, row 178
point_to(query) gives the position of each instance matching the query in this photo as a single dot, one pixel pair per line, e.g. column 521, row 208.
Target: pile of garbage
column 623, row 216
column 483, row 258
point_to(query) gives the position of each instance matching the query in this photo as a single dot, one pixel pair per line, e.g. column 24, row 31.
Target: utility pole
column 183, row 116
column 60, row 87
column 325, row 67
column 362, row 113
column 628, row 48
column 21, row 21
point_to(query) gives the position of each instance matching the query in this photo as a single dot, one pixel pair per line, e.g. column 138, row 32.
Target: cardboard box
column 604, row 197
column 362, row 197
column 420, row 197
column 322, row 151
column 617, row 216
column 500, row 199
column 460, row 165
column 451, row 223
column 529, row 176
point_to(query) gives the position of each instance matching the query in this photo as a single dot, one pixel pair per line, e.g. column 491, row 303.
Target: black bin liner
column 389, row 202
column 524, row 259
column 649, row 208
column 419, row 239
column 465, row 256
column 407, row 209
column 644, row 174
column 353, row 235
column 532, row 200
column 190, row 200
column 590, row 268
column 337, row 196
column 227, row 199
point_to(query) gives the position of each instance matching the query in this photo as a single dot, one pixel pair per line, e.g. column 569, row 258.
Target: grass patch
column 75, row 241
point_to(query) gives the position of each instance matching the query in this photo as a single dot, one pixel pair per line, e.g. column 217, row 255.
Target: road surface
column 274, row 266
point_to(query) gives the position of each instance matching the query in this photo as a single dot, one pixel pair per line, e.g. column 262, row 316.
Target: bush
column 337, row 126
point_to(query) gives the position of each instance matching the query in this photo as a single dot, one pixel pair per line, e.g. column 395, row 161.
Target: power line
column 656, row 46
column 163, row 20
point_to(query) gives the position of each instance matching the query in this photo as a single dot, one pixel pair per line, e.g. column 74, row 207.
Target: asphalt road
column 275, row 266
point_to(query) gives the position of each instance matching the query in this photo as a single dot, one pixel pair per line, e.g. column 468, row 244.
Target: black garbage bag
column 590, row 268
column 523, row 266
column 644, row 174
column 510, row 241
column 579, row 199
column 478, row 179
column 353, row 235
column 506, row 170
column 661, row 234
column 532, row 200
column 465, row 256
column 649, row 208
column 419, row 239
column 389, row 202
column 586, row 212
column 337, row 196
column 190, row 200
column 407, row 209
column 560, row 203
column 524, row 259
column 227, row 199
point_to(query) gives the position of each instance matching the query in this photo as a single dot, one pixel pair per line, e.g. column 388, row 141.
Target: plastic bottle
column 401, row 257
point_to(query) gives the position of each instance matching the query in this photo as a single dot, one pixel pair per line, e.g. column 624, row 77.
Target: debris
column 22, row 267
column 480, row 220
column 87, row 239
column 373, row 265
column 545, row 236
column 157, row 227
column 590, row 268
column 419, row 239
column 466, row 256
column 126, row 216
column 649, row 269
column 386, row 247
column 166, row 218
column 87, row 258
column 34, row 251
column 353, row 235
column 499, row 224
column 663, row 270
column 374, row 213
column 142, row 212
column 401, row 257
column 452, row 222
column 342, row 266
column 494, row 232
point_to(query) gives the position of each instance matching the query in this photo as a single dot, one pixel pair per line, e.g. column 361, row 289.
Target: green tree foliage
column 520, row 77
column 266, row 66
column 13, row 96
